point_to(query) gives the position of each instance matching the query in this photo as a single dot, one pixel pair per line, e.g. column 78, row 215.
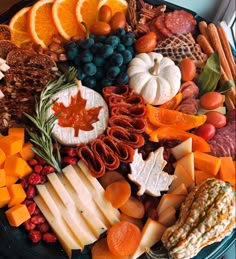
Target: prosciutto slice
column 132, row 139
column 108, row 157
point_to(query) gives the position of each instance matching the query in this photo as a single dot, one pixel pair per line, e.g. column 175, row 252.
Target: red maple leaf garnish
column 75, row 115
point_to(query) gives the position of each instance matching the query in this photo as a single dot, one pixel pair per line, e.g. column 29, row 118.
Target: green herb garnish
column 43, row 138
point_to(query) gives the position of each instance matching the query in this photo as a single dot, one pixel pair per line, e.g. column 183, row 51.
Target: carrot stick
column 203, row 29
column 227, row 50
column 215, row 40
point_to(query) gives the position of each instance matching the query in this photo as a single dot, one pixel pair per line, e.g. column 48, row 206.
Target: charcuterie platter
column 117, row 132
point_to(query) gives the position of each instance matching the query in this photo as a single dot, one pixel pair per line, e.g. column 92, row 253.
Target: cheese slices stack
column 74, row 205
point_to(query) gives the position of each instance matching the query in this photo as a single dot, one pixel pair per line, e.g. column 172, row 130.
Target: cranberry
column 37, row 211
column 69, row 151
column 68, row 160
column 43, row 227
column 49, row 237
column 27, row 202
column 29, row 225
column 38, row 169
column 40, row 160
column 32, row 162
column 31, row 208
column 35, row 236
column 38, row 219
column 31, row 192
column 34, row 179
column 24, row 182
column 48, row 170
column 43, row 179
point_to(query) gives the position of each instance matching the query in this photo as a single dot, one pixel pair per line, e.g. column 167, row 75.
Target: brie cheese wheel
column 66, row 135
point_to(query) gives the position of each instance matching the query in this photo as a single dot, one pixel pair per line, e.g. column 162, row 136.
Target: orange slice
column 115, row 5
column 87, row 11
column 18, row 27
column 40, row 23
column 64, row 16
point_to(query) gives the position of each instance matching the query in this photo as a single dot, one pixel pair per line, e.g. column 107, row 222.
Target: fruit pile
column 102, row 60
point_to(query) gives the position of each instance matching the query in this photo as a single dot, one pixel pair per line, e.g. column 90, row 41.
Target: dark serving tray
column 14, row 243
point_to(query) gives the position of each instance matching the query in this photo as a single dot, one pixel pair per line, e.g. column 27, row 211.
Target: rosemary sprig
column 43, row 140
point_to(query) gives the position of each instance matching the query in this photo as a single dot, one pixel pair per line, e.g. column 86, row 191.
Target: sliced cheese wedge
column 181, row 189
column 151, row 234
column 182, row 149
column 167, row 217
column 59, row 227
column 187, row 162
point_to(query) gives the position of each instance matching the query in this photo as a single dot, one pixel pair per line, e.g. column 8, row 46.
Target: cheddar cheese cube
column 2, row 178
column 17, row 194
column 11, row 144
column 17, row 215
column 4, row 196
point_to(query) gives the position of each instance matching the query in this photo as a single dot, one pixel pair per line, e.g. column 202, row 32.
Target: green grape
column 86, row 56
column 89, row 69
column 116, row 59
column 112, row 72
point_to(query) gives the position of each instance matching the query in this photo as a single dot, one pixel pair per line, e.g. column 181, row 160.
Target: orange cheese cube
column 27, row 153
column 2, row 158
column 18, row 133
column 4, row 196
column 17, row 215
column 227, row 170
column 11, row 144
column 27, row 170
column 15, row 166
column 2, row 178
column 11, row 179
column 17, row 194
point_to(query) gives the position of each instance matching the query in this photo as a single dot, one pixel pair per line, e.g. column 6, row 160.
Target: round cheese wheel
column 66, row 135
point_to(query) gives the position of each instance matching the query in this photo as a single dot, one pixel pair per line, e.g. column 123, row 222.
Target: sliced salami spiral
column 138, row 110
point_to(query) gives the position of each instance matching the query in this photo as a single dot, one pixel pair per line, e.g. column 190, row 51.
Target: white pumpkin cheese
column 66, row 135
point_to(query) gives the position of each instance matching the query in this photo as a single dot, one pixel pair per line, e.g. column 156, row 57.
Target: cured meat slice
column 134, row 140
column 131, row 124
column 121, row 90
column 108, row 157
column 160, row 25
column 134, row 99
column 189, row 89
column 124, row 152
column 133, row 111
column 93, row 162
column 180, row 22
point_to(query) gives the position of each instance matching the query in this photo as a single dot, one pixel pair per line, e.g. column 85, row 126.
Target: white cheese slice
column 66, row 135
column 59, row 227
column 182, row 149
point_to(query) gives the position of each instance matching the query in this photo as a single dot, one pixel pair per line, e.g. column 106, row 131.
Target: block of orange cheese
column 11, row 179
column 17, row 194
column 4, row 196
column 26, row 152
column 15, row 166
column 11, row 144
column 17, row 215
column 2, row 177
column 2, row 158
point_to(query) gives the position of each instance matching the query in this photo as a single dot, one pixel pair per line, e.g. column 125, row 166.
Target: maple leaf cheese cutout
column 148, row 174
column 76, row 115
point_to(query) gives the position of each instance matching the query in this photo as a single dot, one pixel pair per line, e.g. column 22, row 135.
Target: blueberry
column 112, row 72
column 112, row 40
column 127, row 56
column 90, row 82
column 116, row 59
column 89, row 69
column 86, row 56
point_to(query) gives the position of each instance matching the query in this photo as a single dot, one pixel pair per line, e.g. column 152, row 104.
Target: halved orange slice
column 18, row 27
column 87, row 11
column 115, row 5
column 40, row 23
column 64, row 16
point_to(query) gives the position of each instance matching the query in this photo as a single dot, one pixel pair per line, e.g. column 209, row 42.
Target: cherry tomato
column 100, row 28
column 105, row 13
column 216, row 118
column 118, row 20
column 146, row 43
column 206, row 131
column 187, row 69
column 211, row 100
